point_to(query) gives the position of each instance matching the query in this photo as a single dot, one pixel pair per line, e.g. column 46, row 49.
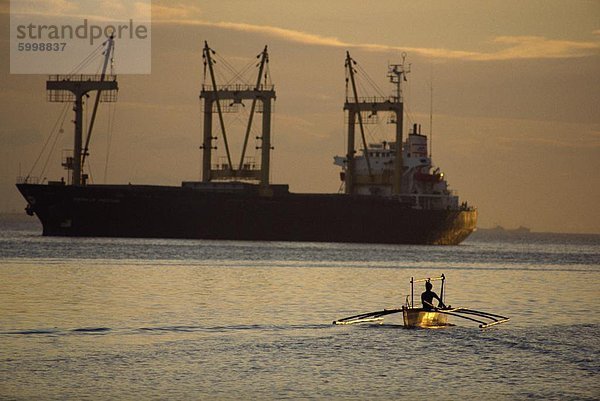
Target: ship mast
column 350, row 67
column 212, row 96
column 397, row 75
column 264, row 57
column 72, row 88
column 207, row 54
column 372, row 105
column 107, row 57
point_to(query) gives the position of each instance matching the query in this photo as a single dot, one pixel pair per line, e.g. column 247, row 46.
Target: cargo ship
column 391, row 192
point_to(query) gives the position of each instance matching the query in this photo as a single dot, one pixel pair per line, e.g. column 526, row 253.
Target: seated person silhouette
column 428, row 296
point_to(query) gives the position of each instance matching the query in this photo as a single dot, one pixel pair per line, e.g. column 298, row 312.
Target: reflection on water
column 171, row 319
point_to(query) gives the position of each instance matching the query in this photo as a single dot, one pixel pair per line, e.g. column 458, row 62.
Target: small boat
column 427, row 316
column 418, row 317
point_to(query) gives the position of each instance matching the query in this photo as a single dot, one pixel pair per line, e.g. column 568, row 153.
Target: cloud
column 288, row 34
column 541, row 47
column 102, row 10
column 48, row 7
column 581, row 143
column 515, row 47
column 174, row 12
column 510, row 47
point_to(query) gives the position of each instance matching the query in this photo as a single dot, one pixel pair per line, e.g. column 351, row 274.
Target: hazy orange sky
column 516, row 115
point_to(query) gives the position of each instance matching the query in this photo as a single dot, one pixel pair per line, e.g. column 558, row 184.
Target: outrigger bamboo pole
column 361, row 318
column 482, row 324
column 481, row 313
column 461, row 316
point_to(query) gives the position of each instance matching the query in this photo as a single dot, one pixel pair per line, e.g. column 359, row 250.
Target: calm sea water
column 172, row 319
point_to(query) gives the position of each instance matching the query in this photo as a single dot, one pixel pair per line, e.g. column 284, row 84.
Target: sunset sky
column 516, row 95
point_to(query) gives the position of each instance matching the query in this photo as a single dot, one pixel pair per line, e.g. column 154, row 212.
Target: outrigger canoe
column 431, row 317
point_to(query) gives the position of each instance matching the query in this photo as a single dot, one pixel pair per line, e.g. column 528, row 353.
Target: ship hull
column 179, row 212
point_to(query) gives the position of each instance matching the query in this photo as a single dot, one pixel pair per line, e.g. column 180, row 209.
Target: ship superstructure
column 376, row 169
column 423, row 185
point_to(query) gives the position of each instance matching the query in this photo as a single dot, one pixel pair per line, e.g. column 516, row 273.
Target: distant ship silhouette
column 392, row 192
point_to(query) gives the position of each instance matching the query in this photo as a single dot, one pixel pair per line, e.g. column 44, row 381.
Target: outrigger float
column 431, row 317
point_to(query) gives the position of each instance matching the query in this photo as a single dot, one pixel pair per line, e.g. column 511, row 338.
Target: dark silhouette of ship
column 392, row 193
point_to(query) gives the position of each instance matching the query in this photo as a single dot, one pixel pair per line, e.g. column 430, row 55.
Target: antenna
column 397, row 75
column 431, row 119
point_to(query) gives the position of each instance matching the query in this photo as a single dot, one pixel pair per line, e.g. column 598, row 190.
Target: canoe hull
column 418, row 317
